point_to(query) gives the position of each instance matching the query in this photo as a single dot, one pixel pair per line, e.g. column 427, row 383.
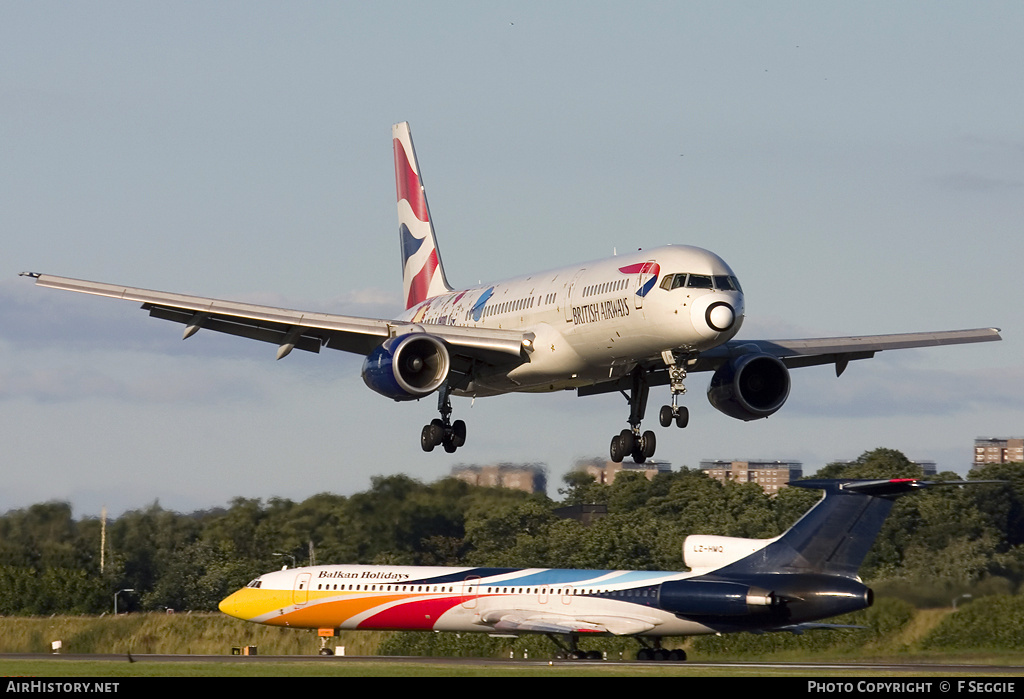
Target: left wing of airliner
column 291, row 329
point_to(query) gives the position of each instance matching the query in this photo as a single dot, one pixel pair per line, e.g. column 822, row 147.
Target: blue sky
column 859, row 165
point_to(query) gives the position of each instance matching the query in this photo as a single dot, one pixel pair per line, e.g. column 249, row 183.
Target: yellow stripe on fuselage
column 322, row 609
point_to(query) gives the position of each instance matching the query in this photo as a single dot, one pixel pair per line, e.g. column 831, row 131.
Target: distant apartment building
column 997, row 450
column 928, row 468
column 770, row 475
column 530, row 478
column 604, row 470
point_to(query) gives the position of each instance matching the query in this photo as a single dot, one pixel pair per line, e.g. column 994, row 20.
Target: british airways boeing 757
column 620, row 324
column 783, row 584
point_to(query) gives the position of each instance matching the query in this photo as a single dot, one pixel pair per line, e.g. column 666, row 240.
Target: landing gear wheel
column 326, row 651
column 667, row 415
column 677, row 655
column 427, row 438
column 628, row 441
column 683, row 418
column 615, row 451
column 648, row 443
column 458, row 433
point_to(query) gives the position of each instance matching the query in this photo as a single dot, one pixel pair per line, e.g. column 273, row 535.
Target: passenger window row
column 607, row 287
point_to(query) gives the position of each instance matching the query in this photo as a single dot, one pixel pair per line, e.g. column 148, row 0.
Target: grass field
column 136, row 645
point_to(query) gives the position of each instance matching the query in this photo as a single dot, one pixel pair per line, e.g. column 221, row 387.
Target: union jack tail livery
column 422, row 273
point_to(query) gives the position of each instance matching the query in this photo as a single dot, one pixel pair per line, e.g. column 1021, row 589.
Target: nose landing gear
column 677, row 377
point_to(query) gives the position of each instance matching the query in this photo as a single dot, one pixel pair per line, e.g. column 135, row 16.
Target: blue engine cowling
column 407, row 367
column 750, row 387
column 714, row 598
column 794, row 598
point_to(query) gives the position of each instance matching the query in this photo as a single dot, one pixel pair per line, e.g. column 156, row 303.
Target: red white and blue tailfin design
column 422, row 273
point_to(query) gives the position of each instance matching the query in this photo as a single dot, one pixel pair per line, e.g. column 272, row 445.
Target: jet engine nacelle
column 750, row 387
column 407, row 367
column 714, row 598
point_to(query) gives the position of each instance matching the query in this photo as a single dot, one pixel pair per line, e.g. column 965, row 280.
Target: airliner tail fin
column 422, row 273
column 835, row 535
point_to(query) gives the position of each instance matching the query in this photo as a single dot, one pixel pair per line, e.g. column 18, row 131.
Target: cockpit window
column 724, row 283
column 721, row 282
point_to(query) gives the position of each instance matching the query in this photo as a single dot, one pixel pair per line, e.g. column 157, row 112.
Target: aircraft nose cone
column 720, row 316
column 231, row 605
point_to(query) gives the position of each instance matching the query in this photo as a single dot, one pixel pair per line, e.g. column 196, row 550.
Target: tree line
column 934, row 545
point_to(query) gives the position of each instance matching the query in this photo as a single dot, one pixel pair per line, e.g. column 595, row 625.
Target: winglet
column 422, row 272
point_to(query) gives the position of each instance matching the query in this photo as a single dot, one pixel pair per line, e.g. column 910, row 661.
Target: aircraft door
column 569, row 294
column 470, row 591
column 644, row 281
column 300, row 593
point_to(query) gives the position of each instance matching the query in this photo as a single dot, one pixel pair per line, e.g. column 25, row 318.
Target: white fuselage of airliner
column 594, row 321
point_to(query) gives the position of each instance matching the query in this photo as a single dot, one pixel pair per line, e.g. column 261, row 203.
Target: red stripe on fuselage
column 407, row 182
column 418, row 615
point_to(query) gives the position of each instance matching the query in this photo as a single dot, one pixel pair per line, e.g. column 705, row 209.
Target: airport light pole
column 127, row 589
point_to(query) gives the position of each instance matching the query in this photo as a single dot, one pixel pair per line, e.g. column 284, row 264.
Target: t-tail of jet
column 422, row 273
column 835, row 535
column 807, row 573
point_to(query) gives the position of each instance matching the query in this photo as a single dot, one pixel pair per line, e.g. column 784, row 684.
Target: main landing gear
column 443, row 431
column 569, row 650
column 641, row 445
column 659, row 654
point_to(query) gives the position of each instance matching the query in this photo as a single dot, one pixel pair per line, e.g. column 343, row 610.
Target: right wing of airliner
column 794, row 354
column 290, row 329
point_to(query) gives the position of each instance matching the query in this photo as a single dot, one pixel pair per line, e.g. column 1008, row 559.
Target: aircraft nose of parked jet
column 234, row 604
